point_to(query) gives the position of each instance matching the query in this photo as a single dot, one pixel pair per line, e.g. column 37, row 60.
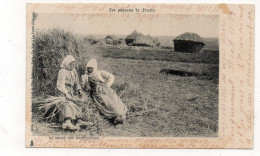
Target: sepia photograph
column 140, row 75
column 96, row 76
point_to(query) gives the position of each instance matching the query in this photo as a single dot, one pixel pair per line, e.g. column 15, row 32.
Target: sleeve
column 77, row 82
column 108, row 77
column 61, row 81
column 84, row 79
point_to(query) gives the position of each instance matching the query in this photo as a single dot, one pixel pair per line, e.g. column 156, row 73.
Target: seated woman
column 108, row 103
column 68, row 85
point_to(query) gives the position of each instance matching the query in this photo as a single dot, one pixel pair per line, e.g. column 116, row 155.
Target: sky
column 124, row 24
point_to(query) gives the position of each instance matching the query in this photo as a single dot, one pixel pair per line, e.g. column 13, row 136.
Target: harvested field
column 208, row 56
column 160, row 105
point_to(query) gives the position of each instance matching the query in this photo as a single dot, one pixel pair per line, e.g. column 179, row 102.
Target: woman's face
column 90, row 70
column 72, row 66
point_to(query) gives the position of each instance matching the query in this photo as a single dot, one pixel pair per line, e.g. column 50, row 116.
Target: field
column 160, row 104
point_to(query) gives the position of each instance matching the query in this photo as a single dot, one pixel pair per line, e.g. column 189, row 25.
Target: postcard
column 140, row 75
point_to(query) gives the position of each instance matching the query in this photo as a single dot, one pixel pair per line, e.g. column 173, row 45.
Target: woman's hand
column 80, row 93
column 83, row 87
column 68, row 97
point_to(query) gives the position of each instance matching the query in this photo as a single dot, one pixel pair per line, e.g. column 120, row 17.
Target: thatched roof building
column 188, row 42
column 138, row 39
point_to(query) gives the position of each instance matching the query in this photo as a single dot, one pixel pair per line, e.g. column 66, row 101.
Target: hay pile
column 49, row 49
column 188, row 42
column 47, row 108
column 189, row 36
column 143, row 41
column 91, row 39
column 138, row 39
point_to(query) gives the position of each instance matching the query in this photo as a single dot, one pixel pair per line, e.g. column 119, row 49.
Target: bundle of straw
column 51, row 106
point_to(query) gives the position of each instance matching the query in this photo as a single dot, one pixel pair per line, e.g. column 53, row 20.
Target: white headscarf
column 93, row 64
column 66, row 62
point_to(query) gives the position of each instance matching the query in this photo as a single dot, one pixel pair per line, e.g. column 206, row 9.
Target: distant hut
column 110, row 39
column 138, row 39
column 188, row 42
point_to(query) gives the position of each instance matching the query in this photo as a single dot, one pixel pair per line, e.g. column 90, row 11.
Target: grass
column 159, row 105
column 137, row 53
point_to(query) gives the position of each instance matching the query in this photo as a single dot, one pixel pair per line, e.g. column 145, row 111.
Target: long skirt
column 108, row 103
column 69, row 109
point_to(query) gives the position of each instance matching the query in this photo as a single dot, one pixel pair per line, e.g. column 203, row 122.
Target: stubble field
column 160, row 105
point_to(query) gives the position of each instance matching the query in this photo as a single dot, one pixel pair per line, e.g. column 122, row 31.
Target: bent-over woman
column 108, row 103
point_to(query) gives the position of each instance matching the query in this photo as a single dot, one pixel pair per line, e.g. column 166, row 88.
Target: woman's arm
column 77, row 81
column 61, row 82
column 108, row 77
column 84, row 82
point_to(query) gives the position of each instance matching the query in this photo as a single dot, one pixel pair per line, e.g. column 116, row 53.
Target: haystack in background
column 188, row 42
column 131, row 37
column 138, row 39
column 112, row 40
column 91, row 39
column 49, row 49
column 121, row 41
column 157, row 42
column 143, row 41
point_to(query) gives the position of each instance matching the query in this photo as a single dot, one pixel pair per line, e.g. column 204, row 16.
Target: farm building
column 138, row 39
column 113, row 40
column 188, row 42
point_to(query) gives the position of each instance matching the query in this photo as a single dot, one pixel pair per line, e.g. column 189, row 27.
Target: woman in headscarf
column 68, row 86
column 108, row 103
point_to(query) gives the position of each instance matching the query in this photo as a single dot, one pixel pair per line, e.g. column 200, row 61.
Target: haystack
column 111, row 39
column 143, row 41
column 91, row 39
column 131, row 37
column 156, row 42
column 188, row 42
column 49, row 49
column 121, row 41
column 138, row 39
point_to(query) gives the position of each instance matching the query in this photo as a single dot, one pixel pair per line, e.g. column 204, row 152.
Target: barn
column 188, row 42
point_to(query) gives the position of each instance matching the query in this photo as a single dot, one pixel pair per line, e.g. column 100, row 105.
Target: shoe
column 83, row 123
column 119, row 120
column 67, row 125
